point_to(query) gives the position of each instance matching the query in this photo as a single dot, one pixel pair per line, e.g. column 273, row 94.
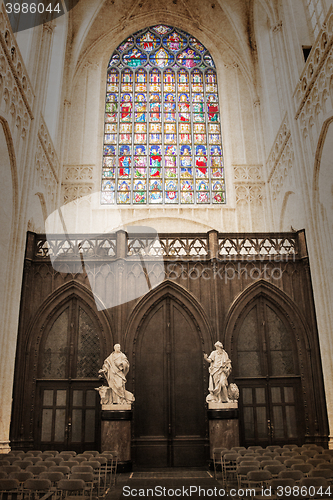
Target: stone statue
column 115, row 369
column 219, row 371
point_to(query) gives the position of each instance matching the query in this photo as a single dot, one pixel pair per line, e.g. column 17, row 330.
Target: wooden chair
column 71, row 489
column 9, row 489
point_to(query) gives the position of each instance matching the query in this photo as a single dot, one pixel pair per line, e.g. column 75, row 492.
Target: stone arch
column 318, row 166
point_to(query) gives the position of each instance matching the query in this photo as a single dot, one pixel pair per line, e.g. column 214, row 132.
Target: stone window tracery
column 162, row 140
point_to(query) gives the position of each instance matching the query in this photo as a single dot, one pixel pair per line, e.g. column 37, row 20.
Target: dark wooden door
column 68, row 416
column 169, row 417
column 271, row 410
column 67, row 412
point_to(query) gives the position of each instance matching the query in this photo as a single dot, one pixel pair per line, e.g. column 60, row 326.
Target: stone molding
column 48, row 148
column 73, row 192
column 249, row 185
column 78, row 173
column 47, row 164
column 317, row 72
column 281, row 158
column 11, row 52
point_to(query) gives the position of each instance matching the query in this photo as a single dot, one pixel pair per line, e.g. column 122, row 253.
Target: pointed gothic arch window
column 162, row 140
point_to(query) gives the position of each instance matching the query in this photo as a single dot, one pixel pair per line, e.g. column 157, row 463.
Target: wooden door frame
column 68, row 385
column 26, row 376
column 194, row 310
column 307, row 348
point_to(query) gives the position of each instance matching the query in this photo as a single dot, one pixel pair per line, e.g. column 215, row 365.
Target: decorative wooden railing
column 200, row 246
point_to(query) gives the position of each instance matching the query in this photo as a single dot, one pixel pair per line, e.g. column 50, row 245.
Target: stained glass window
column 162, row 141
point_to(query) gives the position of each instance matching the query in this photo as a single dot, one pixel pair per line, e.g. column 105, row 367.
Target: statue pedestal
column 223, row 425
column 116, row 433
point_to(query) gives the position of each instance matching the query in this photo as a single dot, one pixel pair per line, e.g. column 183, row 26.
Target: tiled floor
column 167, row 479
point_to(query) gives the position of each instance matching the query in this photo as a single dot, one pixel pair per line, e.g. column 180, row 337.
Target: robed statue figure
column 219, row 371
column 115, row 369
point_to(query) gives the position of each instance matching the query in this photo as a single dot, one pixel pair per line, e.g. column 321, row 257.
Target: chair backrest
column 270, row 454
column 36, row 469
column 52, row 476
column 3, row 474
column 244, row 469
column 33, row 453
column 293, row 461
column 309, row 453
column 13, row 458
column 80, row 459
column 87, row 477
column 46, row 454
column 279, row 450
column 4, row 462
column 82, row 468
column 71, row 485
column 60, row 468
column 281, row 459
column 259, row 475
column 8, row 484
column 281, row 483
column 327, row 473
column 317, row 482
column 91, row 452
column 47, row 463
column 56, row 460
column 325, row 465
column 289, row 453
column 53, row 452
column 216, row 451
column 290, row 473
column 305, row 468
column 323, row 456
column 69, row 463
column 230, row 457
column 315, row 461
column 34, row 460
column 245, row 452
column 37, row 484
column 275, row 469
column 93, row 463
column 23, row 464
column 263, row 463
column 10, row 468
column 66, row 456
column 21, row 476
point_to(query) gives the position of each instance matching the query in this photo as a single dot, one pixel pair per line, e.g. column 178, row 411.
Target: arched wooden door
column 169, row 417
column 67, row 405
column 267, row 373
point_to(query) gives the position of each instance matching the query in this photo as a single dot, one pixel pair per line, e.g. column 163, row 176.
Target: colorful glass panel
column 162, row 135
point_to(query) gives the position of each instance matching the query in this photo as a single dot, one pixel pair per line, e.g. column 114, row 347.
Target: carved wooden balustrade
column 199, row 246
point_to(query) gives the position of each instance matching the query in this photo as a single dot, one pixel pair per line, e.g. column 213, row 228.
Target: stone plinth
column 116, row 435
column 223, row 426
